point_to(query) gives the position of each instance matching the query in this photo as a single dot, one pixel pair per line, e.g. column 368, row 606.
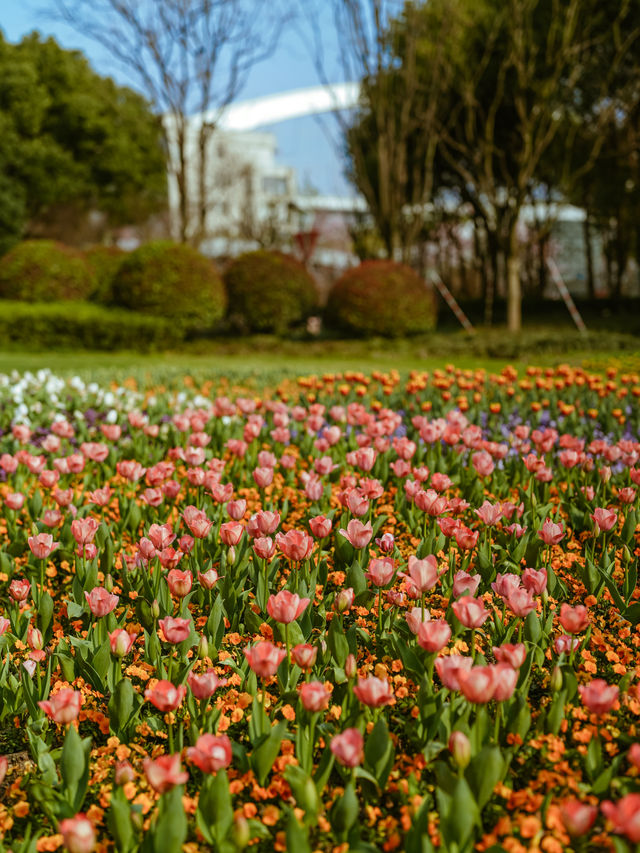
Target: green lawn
column 265, row 357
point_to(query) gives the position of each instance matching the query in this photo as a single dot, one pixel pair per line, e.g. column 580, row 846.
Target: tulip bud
column 203, row 648
column 350, row 668
column 460, row 749
column 343, row 600
column 555, row 682
column 155, row 609
column 231, row 555
column 626, row 554
column 34, row 639
column 241, row 832
column 108, row 582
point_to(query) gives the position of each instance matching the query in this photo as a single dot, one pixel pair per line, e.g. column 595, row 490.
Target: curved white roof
column 261, row 112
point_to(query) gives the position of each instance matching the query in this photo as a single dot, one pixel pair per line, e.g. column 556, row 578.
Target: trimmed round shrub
column 104, row 262
column 381, row 298
column 43, row 271
column 269, row 291
column 168, row 279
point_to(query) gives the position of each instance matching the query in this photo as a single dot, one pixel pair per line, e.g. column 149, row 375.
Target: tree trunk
column 514, row 295
column 492, row 279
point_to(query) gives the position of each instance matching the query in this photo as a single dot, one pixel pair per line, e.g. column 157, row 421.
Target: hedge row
column 260, row 291
column 78, row 325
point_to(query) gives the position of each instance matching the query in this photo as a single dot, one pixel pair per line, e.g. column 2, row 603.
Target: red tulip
column 466, row 539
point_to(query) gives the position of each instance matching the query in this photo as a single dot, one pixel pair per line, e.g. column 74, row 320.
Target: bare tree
column 191, row 58
column 392, row 141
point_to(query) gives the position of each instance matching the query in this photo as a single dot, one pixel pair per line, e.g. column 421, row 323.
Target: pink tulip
column 470, row 611
column 464, row 582
column 604, row 519
column 535, row 581
column 211, row 753
column 175, row 630
column 466, row 539
column 514, row 655
column 416, row 617
column 121, row 642
column 380, row 571
column 78, row 834
column 263, row 477
column 203, row 686
column 434, row 635
column 42, row 545
column 14, row 500
column 161, row 535
column 357, row 504
column 164, row 773
column 348, row 748
column 236, row 509
column 165, row 696
column 449, row 669
column 4, row 625
column 577, row 817
column 264, row 547
column 208, row 579
column 625, row 816
column 423, row 573
column 264, row 658
column 63, row 706
column 521, row 602
column 357, row 533
column 373, row 692
column 304, row 655
column 19, row 589
column 296, row 545
column 574, row 619
column 286, row 607
column 267, row 521
column 314, row 696
column 489, row 514
column 231, row 532
column 386, row 543
column 320, row 526
column 505, row 678
column 344, row 600
column 565, row 643
column 179, row 582
column 504, row 585
column 100, row 601
column 84, row 529
column 477, row 684
column 551, row 533
column 599, row 697
column 482, row 463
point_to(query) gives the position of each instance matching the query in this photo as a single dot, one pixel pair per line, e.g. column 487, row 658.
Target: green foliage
column 171, row 280
column 38, row 270
column 71, row 137
column 104, row 262
column 381, row 298
column 79, row 325
column 269, row 291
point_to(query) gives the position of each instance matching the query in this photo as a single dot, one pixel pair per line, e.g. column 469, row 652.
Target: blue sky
column 307, row 144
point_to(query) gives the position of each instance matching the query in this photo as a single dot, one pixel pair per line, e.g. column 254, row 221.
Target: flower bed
column 351, row 613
